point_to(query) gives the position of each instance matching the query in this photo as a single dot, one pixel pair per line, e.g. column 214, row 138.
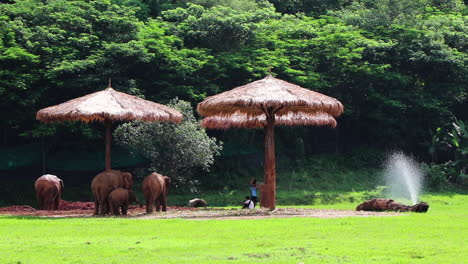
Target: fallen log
column 379, row 205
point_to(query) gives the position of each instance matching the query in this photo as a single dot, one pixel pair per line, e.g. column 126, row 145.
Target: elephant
column 121, row 198
column 156, row 189
column 379, row 204
column 104, row 183
column 49, row 189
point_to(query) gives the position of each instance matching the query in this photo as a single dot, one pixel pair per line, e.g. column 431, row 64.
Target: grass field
column 440, row 236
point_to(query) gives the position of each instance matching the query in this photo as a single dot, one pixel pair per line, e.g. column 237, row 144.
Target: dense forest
column 398, row 67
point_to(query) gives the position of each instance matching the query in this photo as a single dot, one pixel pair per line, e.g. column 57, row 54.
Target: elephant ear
column 62, row 185
column 167, row 180
column 127, row 179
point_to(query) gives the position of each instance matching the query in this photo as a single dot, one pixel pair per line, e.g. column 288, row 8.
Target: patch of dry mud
column 230, row 214
column 85, row 209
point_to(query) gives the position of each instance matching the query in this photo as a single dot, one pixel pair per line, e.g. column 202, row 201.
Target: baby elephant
column 121, row 198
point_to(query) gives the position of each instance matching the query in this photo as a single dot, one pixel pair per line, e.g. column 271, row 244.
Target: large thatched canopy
column 242, row 120
column 108, row 106
column 269, row 92
column 264, row 104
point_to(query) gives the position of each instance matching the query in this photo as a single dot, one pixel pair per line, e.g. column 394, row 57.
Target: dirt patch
column 72, row 209
column 15, row 209
column 70, row 206
column 230, row 214
column 85, row 209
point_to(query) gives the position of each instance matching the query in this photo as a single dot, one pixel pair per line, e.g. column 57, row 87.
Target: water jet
column 403, row 176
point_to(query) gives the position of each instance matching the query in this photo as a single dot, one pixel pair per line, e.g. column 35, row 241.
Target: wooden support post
column 108, row 125
column 269, row 194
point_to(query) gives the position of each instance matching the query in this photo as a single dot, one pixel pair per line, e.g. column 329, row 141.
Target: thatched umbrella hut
column 266, row 103
column 108, row 106
column 242, row 120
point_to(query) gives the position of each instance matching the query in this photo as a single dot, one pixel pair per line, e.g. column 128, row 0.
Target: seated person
column 248, row 203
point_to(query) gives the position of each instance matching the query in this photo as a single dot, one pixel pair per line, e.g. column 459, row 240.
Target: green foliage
column 452, row 139
column 439, row 176
column 177, row 67
column 399, row 67
column 420, row 44
column 57, row 50
column 309, row 7
column 175, row 150
column 243, row 5
column 219, row 28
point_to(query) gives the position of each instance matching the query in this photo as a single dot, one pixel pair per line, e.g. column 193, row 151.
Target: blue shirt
column 253, row 191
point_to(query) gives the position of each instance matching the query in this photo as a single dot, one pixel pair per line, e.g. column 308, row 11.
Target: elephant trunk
column 133, row 199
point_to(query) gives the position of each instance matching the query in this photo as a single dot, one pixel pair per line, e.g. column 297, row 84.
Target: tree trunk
column 337, row 139
column 269, row 194
column 108, row 124
column 43, row 152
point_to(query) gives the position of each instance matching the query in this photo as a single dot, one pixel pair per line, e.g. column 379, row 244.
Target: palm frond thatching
column 269, row 92
column 108, row 105
column 238, row 120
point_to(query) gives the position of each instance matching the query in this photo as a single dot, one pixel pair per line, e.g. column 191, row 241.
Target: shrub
column 175, row 150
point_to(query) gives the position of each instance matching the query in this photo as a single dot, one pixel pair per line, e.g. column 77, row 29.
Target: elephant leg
column 116, row 209
column 40, row 201
column 48, row 201
column 158, row 204
column 47, row 204
column 96, row 205
column 57, row 202
column 112, row 208
column 149, row 205
column 104, row 209
column 163, row 202
column 124, row 209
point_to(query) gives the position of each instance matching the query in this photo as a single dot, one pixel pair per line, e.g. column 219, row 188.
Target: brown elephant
column 104, row 183
column 380, row 204
column 49, row 189
column 121, row 198
column 156, row 189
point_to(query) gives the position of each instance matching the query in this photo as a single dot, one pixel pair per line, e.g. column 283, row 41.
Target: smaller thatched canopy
column 108, row 105
column 269, row 92
column 238, row 120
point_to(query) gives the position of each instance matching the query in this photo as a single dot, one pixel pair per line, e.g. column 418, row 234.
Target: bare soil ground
column 85, row 209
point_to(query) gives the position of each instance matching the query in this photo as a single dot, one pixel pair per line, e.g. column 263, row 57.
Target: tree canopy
column 399, row 67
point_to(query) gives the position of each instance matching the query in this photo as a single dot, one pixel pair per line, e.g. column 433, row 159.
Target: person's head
column 247, row 197
column 253, row 181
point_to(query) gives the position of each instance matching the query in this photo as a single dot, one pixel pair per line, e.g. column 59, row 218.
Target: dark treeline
column 398, row 67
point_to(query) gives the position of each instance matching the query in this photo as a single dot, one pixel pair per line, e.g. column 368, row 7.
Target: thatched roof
column 238, row 120
column 111, row 105
column 269, row 92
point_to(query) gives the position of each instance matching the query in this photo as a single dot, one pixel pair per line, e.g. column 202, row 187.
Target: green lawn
column 440, row 236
